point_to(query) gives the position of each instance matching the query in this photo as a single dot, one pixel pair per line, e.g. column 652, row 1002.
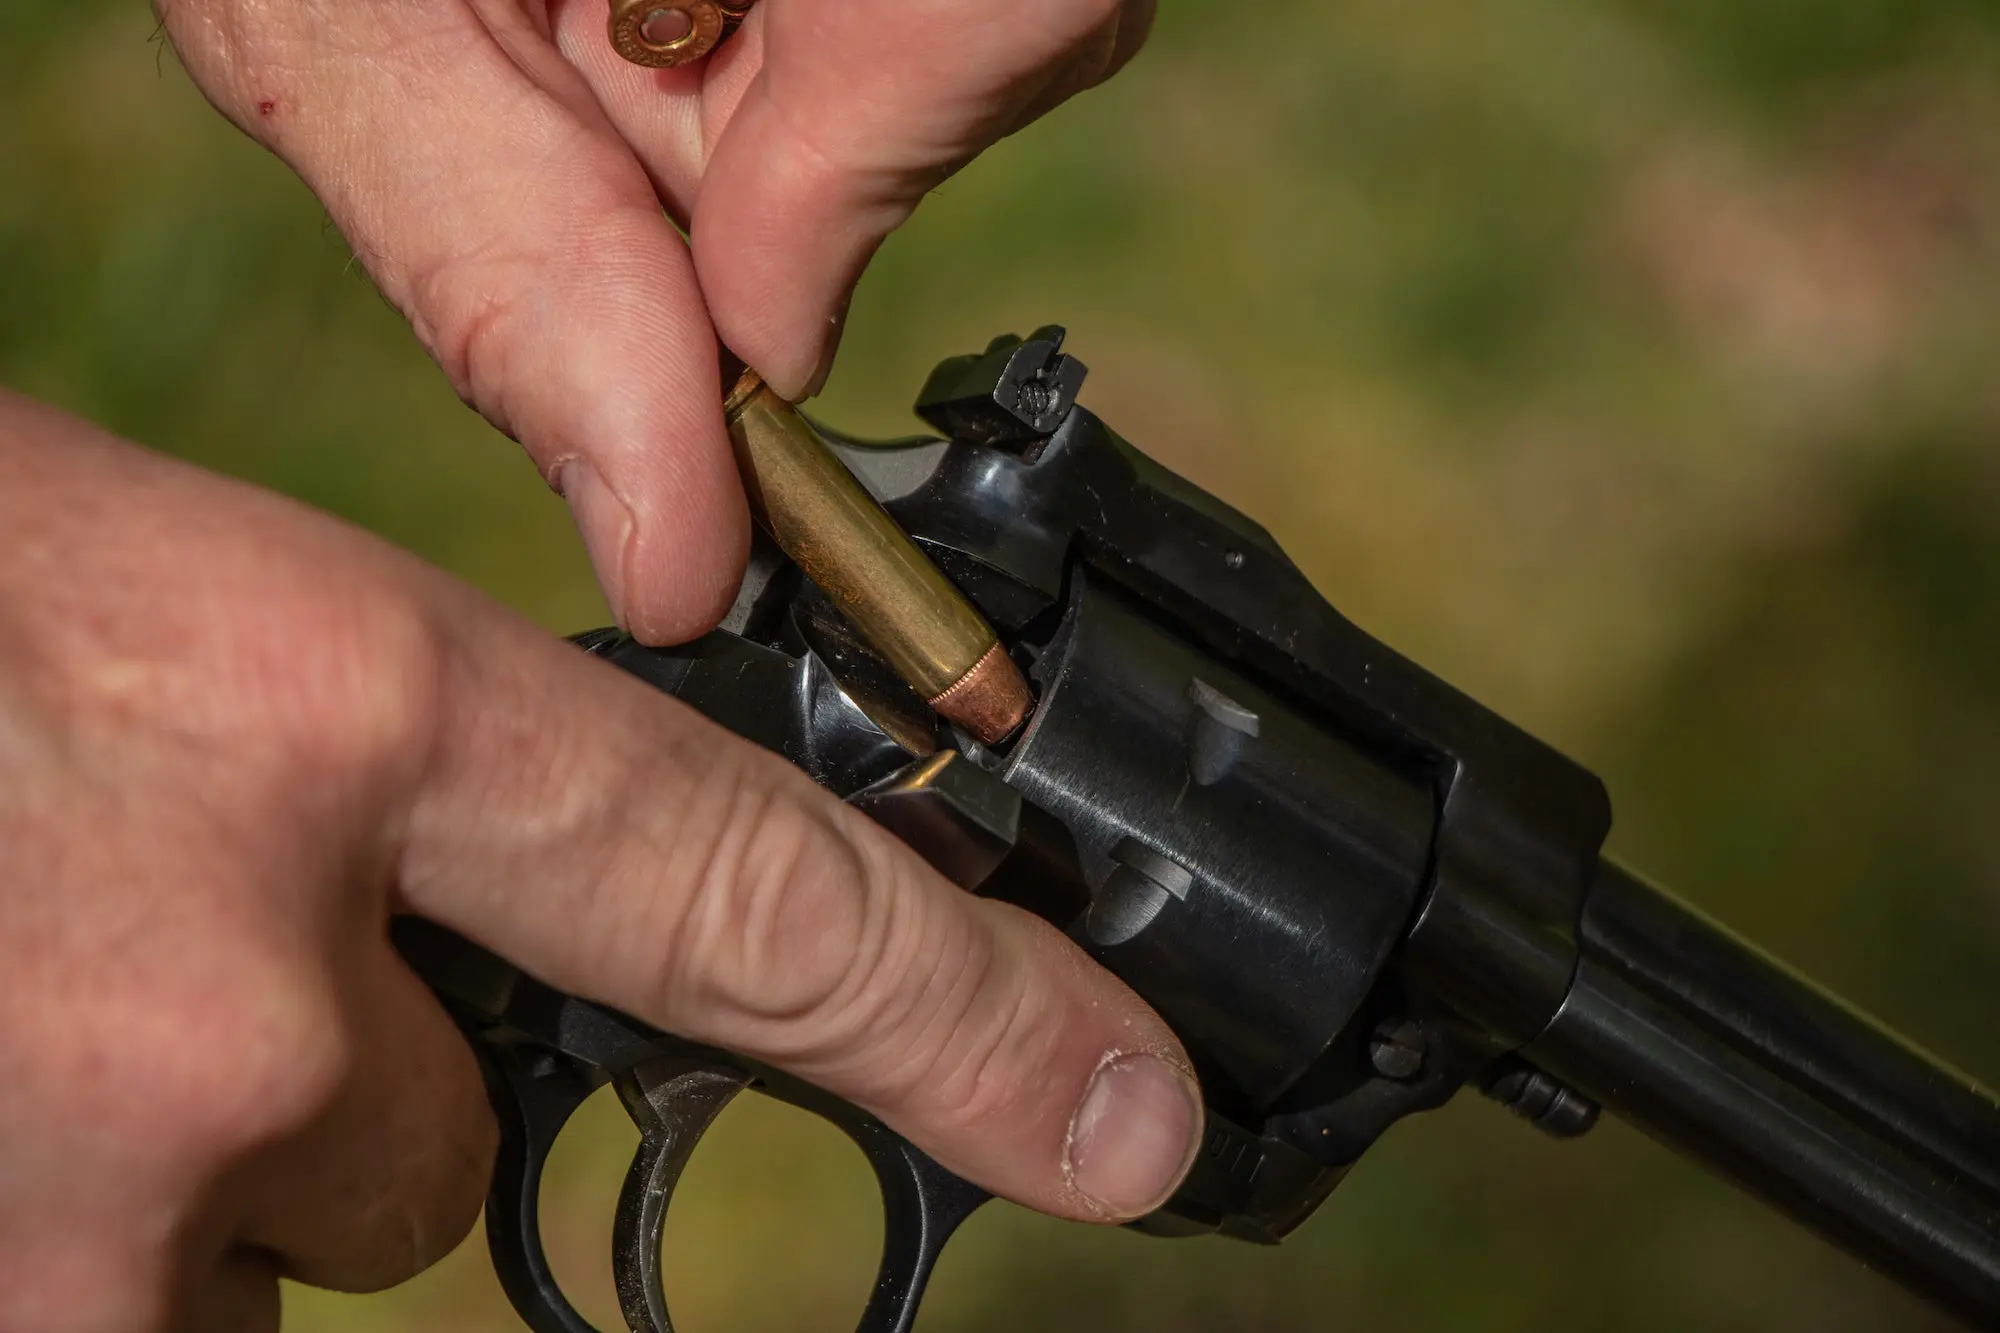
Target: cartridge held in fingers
column 844, row 540
column 661, row 34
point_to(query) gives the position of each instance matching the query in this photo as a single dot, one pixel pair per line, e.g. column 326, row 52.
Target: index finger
column 623, row 848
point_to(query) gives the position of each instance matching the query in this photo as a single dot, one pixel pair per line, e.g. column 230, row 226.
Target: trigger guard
column 533, row 1095
column 922, row 1203
column 675, row 1098
column 922, row 1206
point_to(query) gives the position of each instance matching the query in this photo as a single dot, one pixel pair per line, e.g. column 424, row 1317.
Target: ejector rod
column 844, row 540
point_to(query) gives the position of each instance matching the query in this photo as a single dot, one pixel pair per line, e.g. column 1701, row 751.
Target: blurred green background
column 1632, row 364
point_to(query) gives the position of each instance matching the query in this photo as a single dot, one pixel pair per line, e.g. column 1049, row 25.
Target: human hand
column 500, row 172
column 237, row 736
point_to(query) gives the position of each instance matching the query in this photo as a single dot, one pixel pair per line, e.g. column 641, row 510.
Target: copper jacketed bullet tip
column 990, row 700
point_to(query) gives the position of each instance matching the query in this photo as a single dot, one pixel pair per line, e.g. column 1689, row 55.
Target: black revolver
column 1350, row 889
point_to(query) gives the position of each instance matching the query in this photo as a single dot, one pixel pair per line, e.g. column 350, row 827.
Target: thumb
column 621, row 847
column 858, row 111
column 474, row 174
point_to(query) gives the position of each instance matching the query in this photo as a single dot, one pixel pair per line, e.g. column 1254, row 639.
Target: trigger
column 953, row 813
column 673, row 1100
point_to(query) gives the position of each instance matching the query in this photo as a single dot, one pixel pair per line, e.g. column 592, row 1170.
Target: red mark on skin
column 266, row 108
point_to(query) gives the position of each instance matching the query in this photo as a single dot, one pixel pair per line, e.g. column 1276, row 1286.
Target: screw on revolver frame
column 1011, row 396
column 1547, row 1103
column 1396, row 1049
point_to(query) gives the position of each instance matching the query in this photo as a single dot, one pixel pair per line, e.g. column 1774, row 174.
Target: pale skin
column 237, row 736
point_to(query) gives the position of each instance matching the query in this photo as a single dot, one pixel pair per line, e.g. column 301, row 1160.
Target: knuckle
column 815, row 942
column 482, row 305
column 258, row 1057
column 296, row 643
column 466, row 312
column 82, row 1283
column 205, row 1063
column 418, row 1193
column 787, row 918
column 311, row 682
column 364, row 693
column 985, row 1036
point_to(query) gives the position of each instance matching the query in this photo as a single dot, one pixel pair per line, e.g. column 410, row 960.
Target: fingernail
column 1134, row 1135
column 837, row 326
column 605, row 523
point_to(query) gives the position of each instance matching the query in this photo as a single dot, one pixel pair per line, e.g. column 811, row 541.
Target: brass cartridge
column 661, row 34
column 915, row 617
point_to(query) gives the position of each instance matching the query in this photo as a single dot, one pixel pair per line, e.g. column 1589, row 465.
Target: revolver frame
column 1349, row 888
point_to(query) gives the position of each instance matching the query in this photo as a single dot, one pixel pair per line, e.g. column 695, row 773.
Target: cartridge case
column 661, row 34
column 824, row 519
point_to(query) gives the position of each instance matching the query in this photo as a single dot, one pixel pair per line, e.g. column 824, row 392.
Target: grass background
column 1632, row 364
